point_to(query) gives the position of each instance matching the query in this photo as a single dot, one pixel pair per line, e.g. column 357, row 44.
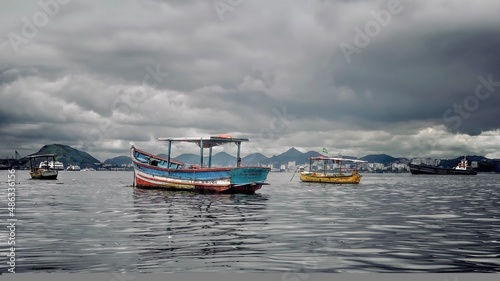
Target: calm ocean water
column 96, row 222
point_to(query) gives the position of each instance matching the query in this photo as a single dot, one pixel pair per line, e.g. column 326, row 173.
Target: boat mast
column 210, row 157
column 238, row 159
column 168, row 154
column 201, row 152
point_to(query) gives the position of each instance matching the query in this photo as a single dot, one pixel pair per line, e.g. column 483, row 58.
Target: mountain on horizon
column 69, row 155
column 379, row 158
column 254, row 159
column 220, row 159
column 118, row 161
column 289, row 156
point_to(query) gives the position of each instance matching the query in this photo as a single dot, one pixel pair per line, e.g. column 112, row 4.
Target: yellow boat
column 345, row 176
column 42, row 171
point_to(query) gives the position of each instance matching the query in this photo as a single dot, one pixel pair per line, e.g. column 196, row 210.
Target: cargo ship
column 462, row 168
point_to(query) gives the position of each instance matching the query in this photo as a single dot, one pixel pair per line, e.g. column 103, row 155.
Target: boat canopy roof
column 208, row 141
column 41, row 155
column 337, row 159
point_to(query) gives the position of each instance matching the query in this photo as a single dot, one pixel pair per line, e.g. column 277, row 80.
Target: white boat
column 56, row 165
column 73, row 168
column 88, row 169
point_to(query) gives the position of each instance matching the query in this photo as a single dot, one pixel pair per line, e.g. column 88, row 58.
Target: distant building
column 398, row 167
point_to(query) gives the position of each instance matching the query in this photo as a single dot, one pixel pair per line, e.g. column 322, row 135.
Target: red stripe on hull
column 247, row 189
column 172, row 186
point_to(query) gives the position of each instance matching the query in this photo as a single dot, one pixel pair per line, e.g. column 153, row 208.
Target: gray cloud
column 100, row 75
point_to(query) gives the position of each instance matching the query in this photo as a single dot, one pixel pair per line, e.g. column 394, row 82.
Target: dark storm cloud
column 107, row 73
column 420, row 78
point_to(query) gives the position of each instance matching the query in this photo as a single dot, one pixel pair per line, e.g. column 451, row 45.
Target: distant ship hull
column 55, row 165
column 423, row 169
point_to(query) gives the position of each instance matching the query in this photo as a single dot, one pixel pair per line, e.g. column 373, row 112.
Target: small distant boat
column 87, row 169
column 56, row 165
column 152, row 171
column 42, row 171
column 341, row 176
column 73, row 168
column 462, row 168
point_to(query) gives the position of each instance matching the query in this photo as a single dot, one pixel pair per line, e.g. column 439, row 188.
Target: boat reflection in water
column 186, row 231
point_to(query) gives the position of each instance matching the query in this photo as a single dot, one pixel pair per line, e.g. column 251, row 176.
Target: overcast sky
column 405, row 78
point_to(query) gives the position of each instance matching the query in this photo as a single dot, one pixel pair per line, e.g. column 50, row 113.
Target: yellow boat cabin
column 332, row 170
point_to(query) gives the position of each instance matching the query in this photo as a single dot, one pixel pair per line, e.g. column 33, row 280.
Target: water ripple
column 96, row 222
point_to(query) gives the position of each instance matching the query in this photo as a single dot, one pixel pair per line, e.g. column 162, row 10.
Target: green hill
column 68, row 155
column 379, row 158
column 118, row 161
column 254, row 159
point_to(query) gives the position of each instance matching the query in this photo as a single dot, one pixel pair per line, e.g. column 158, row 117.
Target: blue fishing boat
column 153, row 171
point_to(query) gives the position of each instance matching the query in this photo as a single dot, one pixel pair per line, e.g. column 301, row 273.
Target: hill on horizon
column 379, row 158
column 69, row 156
column 219, row 159
column 118, row 161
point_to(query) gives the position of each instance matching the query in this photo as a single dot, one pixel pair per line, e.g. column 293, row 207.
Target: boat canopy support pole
column 201, row 153
column 168, row 154
column 210, row 158
column 238, row 158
